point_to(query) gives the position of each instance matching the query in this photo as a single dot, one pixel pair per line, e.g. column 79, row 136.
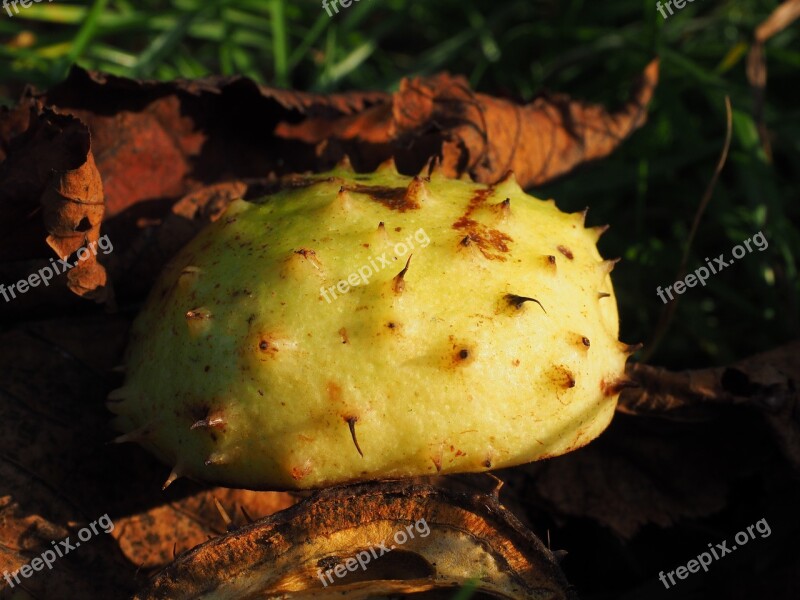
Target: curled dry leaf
column 449, row 540
column 49, row 185
column 540, row 141
column 476, row 133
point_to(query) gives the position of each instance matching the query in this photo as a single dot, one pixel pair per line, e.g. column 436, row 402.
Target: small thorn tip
column 216, row 458
column 518, row 301
column 351, row 422
column 399, row 283
column 211, row 421
column 118, row 395
column 173, row 475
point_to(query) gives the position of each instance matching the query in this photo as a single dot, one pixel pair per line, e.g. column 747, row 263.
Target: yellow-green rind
column 496, row 346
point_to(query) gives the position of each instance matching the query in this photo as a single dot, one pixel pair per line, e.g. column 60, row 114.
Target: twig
column 669, row 310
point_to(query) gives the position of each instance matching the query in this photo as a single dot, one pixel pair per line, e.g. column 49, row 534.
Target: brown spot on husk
column 393, row 198
column 491, row 242
column 566, row 252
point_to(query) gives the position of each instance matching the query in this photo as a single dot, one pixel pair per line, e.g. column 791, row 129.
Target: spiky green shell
column 476, row 328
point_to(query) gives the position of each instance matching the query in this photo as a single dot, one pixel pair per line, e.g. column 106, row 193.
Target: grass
column 648, row 191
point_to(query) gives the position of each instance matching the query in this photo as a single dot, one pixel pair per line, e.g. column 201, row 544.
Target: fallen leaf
column 476, row 133
column 49, row 180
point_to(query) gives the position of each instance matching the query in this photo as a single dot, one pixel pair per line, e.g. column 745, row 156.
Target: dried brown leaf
column 489, row 136
column 49, row 184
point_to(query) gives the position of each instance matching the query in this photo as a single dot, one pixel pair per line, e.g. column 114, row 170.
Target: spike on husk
column 416, row 192
column 628, row 349
column 351, row 423
column 172, row 477
column 344, row 163
column 597, row 232
column 302, row 264
column 344, row 201
column 399, row 283
column 517, row 302
column 378, row 239
column 387, row 166
column 216, row 458
column 119, row 394
column 198, row 321
column 606, row 266
column 137, row 435
column 580, row 217
column 212, row 421
column 189, row 277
